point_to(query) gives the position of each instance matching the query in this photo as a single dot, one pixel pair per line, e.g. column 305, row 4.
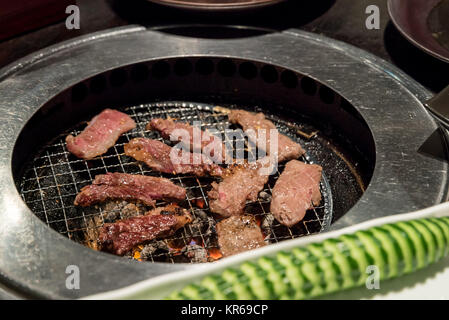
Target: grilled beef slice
column 240, row 183
column 121, row 236
column 199, row 140
column 238, row 234
column 296, row 191
column 101, row 133
column 157, row 155
column 125, row 186
column 287, row 148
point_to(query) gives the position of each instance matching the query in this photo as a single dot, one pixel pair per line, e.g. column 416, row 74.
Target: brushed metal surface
column 389, row 101
column 439, row 106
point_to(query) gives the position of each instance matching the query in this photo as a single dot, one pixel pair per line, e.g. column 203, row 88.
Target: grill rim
column 20, row 279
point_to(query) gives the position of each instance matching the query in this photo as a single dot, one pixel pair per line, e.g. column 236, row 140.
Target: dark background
column 339, row 19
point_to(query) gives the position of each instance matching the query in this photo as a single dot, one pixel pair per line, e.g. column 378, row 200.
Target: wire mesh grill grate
column 53, row 178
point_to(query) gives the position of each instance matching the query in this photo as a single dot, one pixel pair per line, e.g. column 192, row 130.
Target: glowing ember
column 215, row 253
column 175, row 250
column 136, row 252
column 200, row 203
column 258, row 220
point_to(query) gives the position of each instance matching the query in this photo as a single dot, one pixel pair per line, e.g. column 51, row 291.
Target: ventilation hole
column 248, row 70
column 269, row 74
column 226, row 68
column 204, row 66
column 289, row 79
column 79, row 92
column 118, row 78
column 326, row 95
column 183, row 67
column 308, row 85
column 139, row 72
column 161, row 69
column 98, row 84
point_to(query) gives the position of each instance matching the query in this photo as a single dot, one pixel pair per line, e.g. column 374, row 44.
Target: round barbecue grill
column 355, row 115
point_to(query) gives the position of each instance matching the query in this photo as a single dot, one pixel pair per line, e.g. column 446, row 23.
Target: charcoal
column 156, row 247
column 115, row 210
column 195, row 253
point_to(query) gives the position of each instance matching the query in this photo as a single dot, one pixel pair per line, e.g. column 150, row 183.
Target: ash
column 195, row 253
column 266, row 226
column 115, row 210
column 154, row 248
column 204, row 223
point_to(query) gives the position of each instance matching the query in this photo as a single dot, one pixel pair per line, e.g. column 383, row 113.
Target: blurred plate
column 216, row 5
column 424, row 23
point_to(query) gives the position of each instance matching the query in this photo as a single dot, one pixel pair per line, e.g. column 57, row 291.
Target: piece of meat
column 240, row 183
column 121, row 236
column 100, row 134
column 198, row 140
column 296, row 191
column 287, row 148
column 123, row 186
column 238, row 234
column 158, row 156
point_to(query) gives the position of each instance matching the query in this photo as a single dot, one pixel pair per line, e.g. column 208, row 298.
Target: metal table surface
column 343, row 20
column 339, row 19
